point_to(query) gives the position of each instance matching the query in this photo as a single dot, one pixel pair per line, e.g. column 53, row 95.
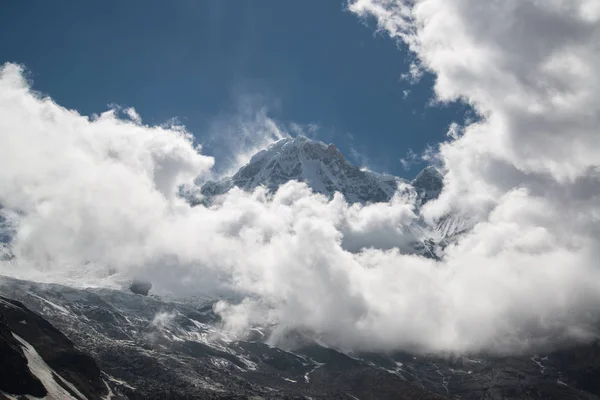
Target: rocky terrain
column 149, row 347
column 37, row 360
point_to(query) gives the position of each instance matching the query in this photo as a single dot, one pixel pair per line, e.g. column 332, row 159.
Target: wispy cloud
column 237, row 136
column 414, row 74
column 410, row 159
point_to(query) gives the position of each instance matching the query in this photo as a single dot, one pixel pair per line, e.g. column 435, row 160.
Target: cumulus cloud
column 527, row 171
column 70, row 176
column 96, row 195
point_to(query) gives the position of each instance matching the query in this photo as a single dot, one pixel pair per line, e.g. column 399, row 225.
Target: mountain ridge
column 325, row 170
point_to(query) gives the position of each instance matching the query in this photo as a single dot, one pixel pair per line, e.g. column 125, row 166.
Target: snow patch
column 119, row 382
column 539, row 363
column 307, row 375
column 51, row 304
column 45, row 374
column 110, row 394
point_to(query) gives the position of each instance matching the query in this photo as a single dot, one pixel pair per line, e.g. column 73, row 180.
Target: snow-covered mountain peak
column 298, row 143
column 322, row 166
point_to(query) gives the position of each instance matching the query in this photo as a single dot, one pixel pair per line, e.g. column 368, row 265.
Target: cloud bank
column 94, row 200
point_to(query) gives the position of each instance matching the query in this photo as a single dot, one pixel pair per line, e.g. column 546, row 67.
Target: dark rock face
column 581, row 365
column 15, row 376
column 139, row 286
column 55, row 349
column 428, row 184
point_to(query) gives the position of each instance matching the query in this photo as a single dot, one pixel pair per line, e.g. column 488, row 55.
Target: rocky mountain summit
column 323, row 168
column 428, row 184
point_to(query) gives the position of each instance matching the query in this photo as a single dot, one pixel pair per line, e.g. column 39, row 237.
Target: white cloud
column 413, row 76
column 528, row 170
column 71, row 176
column 133, row 115
column 409, row 159
column 163, row 319
column 100, row 193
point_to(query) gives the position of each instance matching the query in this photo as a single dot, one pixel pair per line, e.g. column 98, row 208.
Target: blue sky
column 308, row 62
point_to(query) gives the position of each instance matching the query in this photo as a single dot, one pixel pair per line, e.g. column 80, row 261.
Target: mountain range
column 325, row 170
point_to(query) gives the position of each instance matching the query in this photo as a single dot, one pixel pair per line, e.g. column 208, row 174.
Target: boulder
column 140, row 286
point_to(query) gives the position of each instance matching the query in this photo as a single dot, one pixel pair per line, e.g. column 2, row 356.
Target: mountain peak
column 428, row 184
column 321, row 166
column 291, row 145
column 324, row 169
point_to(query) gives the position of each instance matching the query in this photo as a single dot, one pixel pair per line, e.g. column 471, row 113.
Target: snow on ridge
column 321, row 166
column 46, row 374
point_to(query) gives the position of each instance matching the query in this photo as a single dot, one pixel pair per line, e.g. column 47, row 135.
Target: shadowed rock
column 139, row 286
column 15, row 376
column 54, row 348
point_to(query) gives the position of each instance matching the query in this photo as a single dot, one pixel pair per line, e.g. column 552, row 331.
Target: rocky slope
column 15, row 377
column 428, row 184
column 37, row 360
column 149, row 347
